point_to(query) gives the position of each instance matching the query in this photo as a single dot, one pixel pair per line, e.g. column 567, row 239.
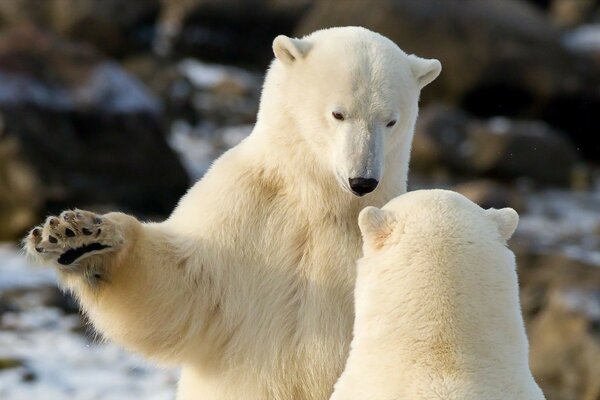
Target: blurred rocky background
column 121, row 104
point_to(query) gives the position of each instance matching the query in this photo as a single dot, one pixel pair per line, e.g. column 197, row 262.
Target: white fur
column 437, row 305
column 249, row 284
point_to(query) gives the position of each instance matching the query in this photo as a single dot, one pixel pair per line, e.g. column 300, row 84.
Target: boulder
column 498, row 147
column 116, row 27
column 230, row 31
column 20, row 202
column 90, row 132
column 561, row 305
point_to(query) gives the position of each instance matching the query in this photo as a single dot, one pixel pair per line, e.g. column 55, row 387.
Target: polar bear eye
column 391, row 123
column 338, row 115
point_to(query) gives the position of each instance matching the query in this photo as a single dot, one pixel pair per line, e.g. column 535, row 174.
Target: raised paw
column 72, row 237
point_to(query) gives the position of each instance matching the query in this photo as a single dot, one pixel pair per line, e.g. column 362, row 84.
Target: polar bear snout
column 362, row 186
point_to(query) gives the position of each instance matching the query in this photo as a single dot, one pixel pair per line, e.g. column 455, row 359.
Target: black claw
column 86, row 231
column 98, row 232
column 69, row 232
column 52, row 239
column 36, row 232
column 54, row 221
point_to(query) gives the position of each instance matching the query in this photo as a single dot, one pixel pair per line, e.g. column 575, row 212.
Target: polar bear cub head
column 435, row 218
column 351, row 94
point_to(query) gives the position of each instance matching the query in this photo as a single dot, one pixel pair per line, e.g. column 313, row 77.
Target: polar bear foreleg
column 130, row 278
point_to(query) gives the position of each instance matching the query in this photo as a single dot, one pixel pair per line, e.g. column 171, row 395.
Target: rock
column 230, row 31
column 495, row 147
column 565, row 345
column 561, row 305
column 198, row 92
column 490, row 194
column 6, row 363
column 570, row 13
column 115, row 27
column 499, row 58
column 90, row 132
column 225, row 95
column 20, row 203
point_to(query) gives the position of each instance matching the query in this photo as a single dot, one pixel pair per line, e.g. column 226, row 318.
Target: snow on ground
column 567, row 222
column 198, row 146
column 44, row 355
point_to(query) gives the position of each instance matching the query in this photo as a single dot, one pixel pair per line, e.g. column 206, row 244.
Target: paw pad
column 72, row 236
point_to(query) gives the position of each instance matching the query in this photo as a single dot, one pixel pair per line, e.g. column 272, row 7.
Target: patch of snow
column 54, row 362
column 564, row 221
column 113, row 90
column 208, row 76
column 194, row 146
column 21, row 89
column 232, row 135
column 199, row 146
column 583, row 39
column 58, row 364
column 109, row 89
column 17, row 273
column 500, row 125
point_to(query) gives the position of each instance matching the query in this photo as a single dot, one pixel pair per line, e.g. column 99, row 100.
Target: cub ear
column 424, row 70
column 506, row 219
column 375, row 225
column 287, row 50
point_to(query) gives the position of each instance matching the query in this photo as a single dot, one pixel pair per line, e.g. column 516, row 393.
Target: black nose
column 362, row 186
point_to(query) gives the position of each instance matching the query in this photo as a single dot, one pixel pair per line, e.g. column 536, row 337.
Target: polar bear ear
column 287, row 50
column 375, row 225
column 506, row 219
column 424, row 70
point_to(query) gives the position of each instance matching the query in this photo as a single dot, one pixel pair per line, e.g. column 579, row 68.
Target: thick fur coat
column 248, row 285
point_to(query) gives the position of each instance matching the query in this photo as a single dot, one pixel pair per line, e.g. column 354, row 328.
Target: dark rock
column 90, row 132
column 6, row 363
column 20, row 202
column 498, row 147
column 499, row 58
column 116, row 27
column 195, row 91
column 232, row 31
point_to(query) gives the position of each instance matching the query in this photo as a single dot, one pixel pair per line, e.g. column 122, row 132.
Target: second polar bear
column 437, row 305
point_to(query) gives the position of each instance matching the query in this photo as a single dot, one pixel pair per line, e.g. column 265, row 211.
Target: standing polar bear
column 437, row 305
column 249, row 284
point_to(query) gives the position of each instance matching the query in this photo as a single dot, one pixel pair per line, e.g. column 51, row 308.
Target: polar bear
column 437, row 305
column 248, row 285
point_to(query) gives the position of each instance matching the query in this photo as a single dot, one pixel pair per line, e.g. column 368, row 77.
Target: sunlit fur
column 248, row 285
column 437, row 305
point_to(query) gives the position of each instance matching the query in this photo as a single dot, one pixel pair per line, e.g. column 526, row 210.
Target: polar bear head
column 351, row 95
column 439, row 219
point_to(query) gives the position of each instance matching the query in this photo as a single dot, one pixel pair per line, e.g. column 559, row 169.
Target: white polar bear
column 249, row 284
column 437, row 305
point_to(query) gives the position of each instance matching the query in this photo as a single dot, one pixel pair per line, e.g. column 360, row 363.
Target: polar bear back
column 437, row 306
